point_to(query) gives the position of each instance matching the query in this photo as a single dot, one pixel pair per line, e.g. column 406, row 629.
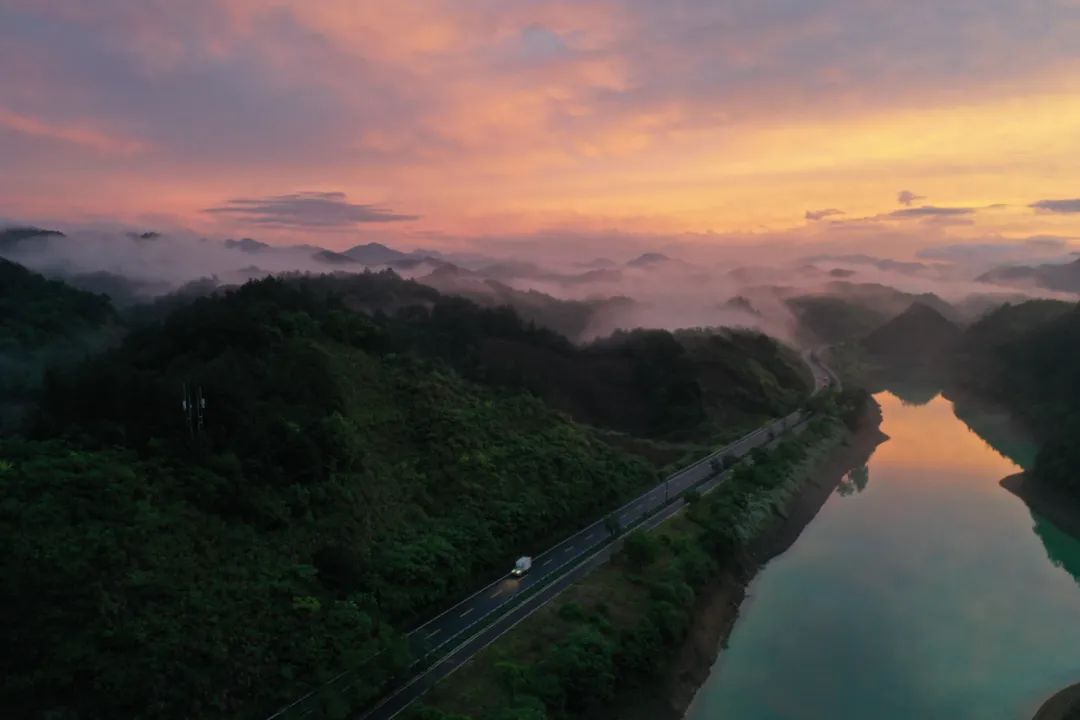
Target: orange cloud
column 486, row 116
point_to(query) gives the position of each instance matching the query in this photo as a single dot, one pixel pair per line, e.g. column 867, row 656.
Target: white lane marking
column 433, row 633
column 466, row 612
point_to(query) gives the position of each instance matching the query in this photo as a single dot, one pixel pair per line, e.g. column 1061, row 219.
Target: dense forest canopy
column 368, row 450
column 42, row 323
column 332, row 488
column 1025, row 356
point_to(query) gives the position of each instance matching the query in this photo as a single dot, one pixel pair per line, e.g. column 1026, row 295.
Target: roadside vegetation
column 619, row 627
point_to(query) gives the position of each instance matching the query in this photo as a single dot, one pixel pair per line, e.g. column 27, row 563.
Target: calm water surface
column 922, row 590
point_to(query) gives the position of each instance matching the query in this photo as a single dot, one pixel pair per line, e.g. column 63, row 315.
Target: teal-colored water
column 922, row 590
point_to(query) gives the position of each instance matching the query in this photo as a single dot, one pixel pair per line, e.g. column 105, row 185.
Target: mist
column 674, row 284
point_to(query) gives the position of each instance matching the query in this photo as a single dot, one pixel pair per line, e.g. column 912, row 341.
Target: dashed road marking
column 466, row 612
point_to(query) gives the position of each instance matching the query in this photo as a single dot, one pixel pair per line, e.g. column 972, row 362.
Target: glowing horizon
column 438, row 122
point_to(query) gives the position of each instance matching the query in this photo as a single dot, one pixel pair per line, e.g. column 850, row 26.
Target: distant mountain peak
column 649, row 259
column 371, row 246
column 741, row 303
column 333, row 258
column 918, row 333
column 374, row 253
column 13, row 236
column 1052, row 276
column 245, row 245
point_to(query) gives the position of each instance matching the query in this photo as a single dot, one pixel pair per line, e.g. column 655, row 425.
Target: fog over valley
column 688, row 285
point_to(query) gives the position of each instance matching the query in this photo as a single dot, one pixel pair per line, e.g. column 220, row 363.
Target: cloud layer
column 1058, row 206
column 906, row 197
column 822, row 214
column 306, row 210
column 490, row 117
column 931, row 211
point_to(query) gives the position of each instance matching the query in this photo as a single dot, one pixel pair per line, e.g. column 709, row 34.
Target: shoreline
column 1064, row 512
column 1057, row 507
column 719, row 602
column 1060, row 705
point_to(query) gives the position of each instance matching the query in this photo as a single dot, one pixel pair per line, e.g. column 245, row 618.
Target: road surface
column 455, row 635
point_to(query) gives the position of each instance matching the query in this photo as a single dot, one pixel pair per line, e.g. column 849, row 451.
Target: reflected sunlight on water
column 929, row 437
column 922, row 590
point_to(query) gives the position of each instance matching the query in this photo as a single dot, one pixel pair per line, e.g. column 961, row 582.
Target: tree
column 641, row 548
column 584, row 665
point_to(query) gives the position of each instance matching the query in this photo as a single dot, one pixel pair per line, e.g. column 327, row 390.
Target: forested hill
column 35, row 311
column 919, row 336
column 369, row 449
column 1025, row 356
column 688, row 385
column 157, row 566
column 43, row 322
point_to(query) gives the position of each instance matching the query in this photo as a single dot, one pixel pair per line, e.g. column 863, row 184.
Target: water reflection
column 912, row 385
column 995, row 426
column 1062, row 549
column 913, row 391
column 928, row 439
column 854, row 482
column 924, row 594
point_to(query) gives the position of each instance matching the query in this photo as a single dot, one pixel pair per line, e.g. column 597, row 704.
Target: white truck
column 522, row 566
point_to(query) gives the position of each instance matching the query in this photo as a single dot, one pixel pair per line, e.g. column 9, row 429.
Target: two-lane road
column 585, row 550
column 457, row 633
column 454, row 622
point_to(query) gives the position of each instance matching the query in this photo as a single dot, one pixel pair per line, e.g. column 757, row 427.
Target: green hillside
column 1024, row 356
column 833, row 320
column 369, row 450
column 335, row 488
column 690, row 385
column 919, row 336
column 43, row 323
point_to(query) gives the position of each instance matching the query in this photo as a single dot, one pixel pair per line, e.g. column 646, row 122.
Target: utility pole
column 193, row 405
column 186, row 406
column 200, row 406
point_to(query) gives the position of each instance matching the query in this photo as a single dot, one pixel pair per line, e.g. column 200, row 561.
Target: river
column 921, row 590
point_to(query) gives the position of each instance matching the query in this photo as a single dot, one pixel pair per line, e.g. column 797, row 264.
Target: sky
column 864, row 125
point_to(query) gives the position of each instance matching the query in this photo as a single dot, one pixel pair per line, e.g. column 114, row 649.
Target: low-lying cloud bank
column 656, row 281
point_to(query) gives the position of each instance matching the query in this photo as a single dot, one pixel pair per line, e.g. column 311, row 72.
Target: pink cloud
column 75, row 134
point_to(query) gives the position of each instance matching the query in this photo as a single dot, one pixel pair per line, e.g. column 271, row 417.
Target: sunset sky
column 438, row 123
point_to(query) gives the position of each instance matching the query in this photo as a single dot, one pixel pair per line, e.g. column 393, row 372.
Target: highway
column 455, row 635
